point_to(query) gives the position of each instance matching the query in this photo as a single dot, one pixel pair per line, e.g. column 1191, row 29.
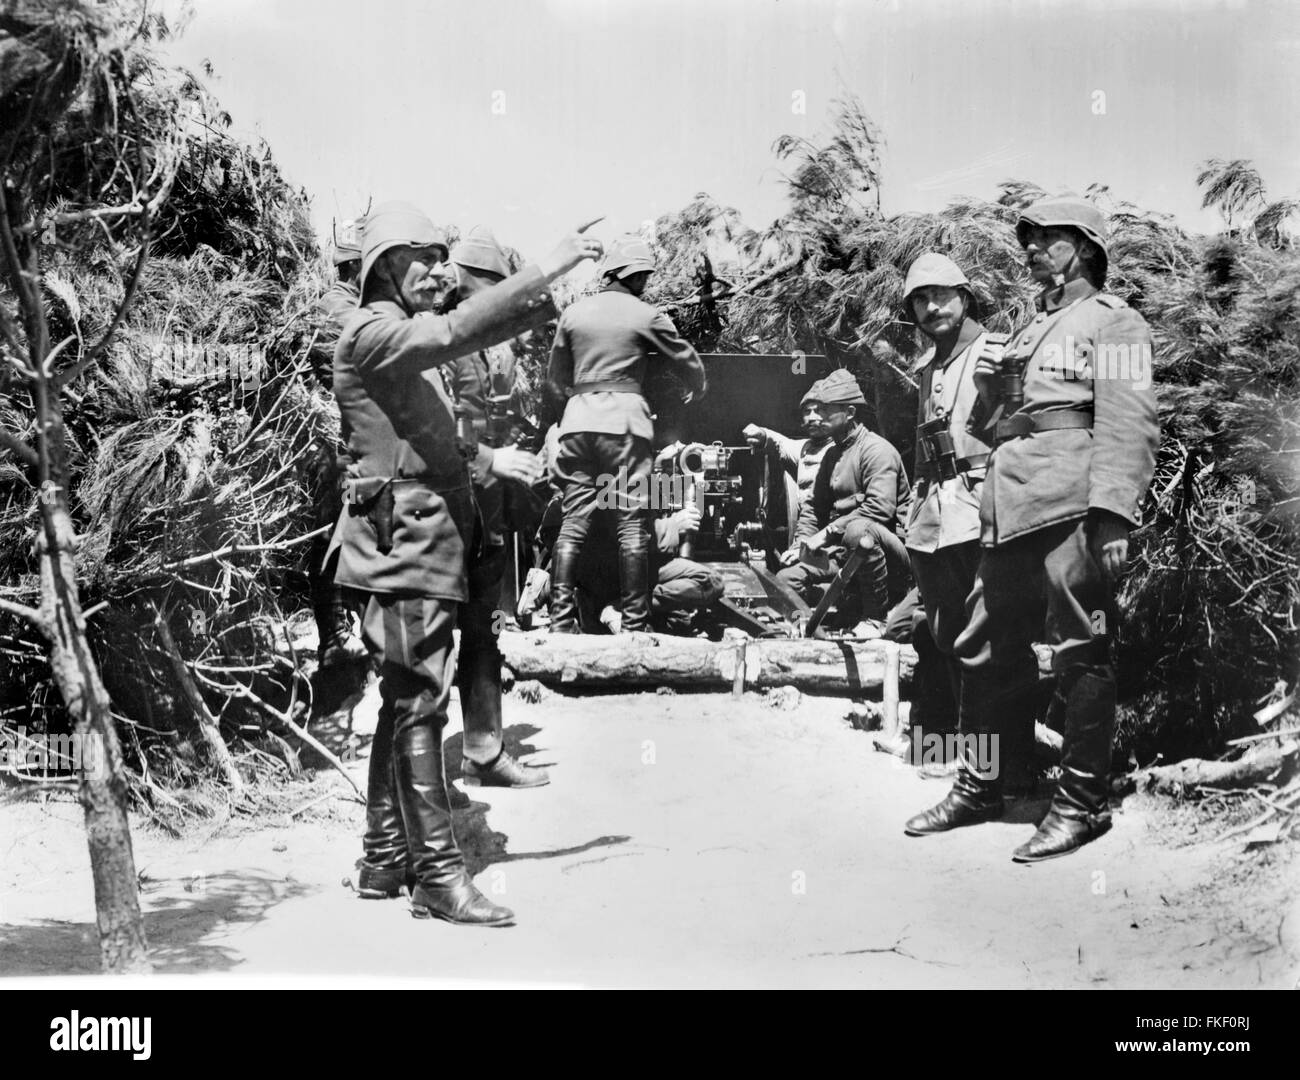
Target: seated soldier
column 860, row 499
column 800, row 458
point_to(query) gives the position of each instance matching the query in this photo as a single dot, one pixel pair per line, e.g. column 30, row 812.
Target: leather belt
column 928, row 470
column 620, row 386
column 1020, row 424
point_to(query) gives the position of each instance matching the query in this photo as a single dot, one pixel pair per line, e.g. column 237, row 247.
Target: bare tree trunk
column 122, row 944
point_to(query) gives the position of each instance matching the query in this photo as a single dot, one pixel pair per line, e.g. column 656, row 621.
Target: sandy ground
column 686, row 840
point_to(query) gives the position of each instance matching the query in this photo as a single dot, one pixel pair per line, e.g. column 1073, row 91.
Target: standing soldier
column 404, row 536
column 481, row 380
column 943, row 529
column 602, row 348
column 338, row 642
column 1076, row 441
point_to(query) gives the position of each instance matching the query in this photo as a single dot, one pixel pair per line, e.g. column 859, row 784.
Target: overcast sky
column 530, row 114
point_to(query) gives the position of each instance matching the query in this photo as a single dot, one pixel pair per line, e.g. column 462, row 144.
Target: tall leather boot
column 634, row 575
column 564, row 586
column 383, row 870
column 478, row 678
column 443, row 887
column 1079, row 812
column 976, row 795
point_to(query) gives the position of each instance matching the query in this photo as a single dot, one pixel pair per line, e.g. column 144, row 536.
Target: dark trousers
column 598, row 471
column 411, row 638
column 882, row 580
column 936, row 679
column 590, row 464
column 478, row 668
column 1046, row 587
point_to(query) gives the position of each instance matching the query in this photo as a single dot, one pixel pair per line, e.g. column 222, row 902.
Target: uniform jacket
column 1086, row 350
column 337, row 304
column 863, row 476
column 948, row 513
column 398, row 424
column 613, row 336
column 475, row 378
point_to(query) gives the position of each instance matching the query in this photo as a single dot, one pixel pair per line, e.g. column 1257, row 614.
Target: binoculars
column 1011, row 383
column 939, row 448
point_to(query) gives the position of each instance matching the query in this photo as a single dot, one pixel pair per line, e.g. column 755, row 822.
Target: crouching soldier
column 682, row 586
column 483, row 381
column 408, row 521
column 1076, row 436
column 859, row 500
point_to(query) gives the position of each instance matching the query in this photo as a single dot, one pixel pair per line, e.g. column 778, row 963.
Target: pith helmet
column 347, row 242
column 627, row 255
column 933, row 269
column 481, row 251
column 395, row 224
column 1067, row 210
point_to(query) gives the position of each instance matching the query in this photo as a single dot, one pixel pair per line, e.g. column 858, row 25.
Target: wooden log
column 1258, row 767
column 637, row 661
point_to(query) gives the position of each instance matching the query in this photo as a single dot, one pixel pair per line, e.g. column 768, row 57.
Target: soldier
column 800, row 458
column 682, row 586
column 404, row 536
column 478, row 378
column 602, row 348
column 860, row 499
column 1076, row 437
column 338, row 641
column 944, row 526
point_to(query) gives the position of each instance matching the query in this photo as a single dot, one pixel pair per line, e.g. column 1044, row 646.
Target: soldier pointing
column 408, row 521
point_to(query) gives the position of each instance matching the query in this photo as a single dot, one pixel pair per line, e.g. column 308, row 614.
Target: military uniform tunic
column 1087, row 354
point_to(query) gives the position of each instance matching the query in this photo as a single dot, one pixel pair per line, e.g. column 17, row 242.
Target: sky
column 531, row 115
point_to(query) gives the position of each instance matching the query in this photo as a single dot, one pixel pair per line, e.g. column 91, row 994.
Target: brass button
column 1040, row 318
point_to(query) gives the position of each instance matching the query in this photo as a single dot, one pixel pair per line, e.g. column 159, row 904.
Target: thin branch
column 278, row 545
column 31, row 614
column 302, row 733
column 19, row 448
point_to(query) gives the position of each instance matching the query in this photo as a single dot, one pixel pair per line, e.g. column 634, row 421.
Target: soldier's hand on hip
column 511, row 463
column 572, row 250
column 788, row 557
column 1108, row 541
